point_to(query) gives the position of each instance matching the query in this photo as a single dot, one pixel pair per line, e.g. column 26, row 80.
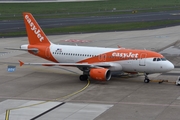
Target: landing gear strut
column 146, row 80
column 83, row 77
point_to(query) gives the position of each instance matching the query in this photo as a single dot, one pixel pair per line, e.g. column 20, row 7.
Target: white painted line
column 25, row 113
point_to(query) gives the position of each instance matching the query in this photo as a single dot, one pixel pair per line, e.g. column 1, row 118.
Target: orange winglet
column 21, row 63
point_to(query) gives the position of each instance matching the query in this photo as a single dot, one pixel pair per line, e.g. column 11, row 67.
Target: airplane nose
column 170, row 66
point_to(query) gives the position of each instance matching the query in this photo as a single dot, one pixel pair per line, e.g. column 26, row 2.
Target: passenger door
column 142, row 60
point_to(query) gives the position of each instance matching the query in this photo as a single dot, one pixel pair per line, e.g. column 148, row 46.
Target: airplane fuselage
column 121, row 59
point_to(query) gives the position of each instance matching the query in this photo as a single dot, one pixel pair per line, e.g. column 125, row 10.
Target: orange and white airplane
column 96, row 62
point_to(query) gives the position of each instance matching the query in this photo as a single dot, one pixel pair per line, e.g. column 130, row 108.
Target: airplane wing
column 68, row 64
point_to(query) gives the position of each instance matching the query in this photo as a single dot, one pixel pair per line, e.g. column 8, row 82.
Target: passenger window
column 154, row 59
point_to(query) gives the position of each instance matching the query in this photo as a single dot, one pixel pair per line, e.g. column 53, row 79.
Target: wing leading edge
column 95, row 65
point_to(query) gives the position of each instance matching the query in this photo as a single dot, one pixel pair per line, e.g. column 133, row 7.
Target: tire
column 83, row 77
column 146, row 80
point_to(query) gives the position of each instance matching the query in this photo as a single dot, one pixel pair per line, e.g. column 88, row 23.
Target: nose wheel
column 146, row 80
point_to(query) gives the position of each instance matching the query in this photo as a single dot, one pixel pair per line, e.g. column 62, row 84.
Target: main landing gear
column 83, row 77
column 146, row 80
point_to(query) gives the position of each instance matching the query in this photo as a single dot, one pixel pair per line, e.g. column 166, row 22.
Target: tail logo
column 33, row 28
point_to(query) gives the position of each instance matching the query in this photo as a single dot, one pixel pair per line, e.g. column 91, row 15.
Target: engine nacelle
column 100, row 74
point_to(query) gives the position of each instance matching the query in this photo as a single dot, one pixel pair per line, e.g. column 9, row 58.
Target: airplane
column 97, row 63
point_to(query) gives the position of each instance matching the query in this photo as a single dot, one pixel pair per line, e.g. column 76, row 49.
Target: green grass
column 9, row 11
column 99, row 28
column 72, row 9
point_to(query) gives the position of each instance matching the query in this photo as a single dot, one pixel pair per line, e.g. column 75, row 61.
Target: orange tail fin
column 34, row 31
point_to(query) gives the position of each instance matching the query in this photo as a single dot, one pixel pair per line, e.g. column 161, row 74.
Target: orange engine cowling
column 100, row 74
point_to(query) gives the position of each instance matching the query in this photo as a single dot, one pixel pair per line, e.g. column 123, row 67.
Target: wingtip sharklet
column 21, row 63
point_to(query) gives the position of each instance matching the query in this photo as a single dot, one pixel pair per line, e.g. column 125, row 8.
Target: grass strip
column 92, row 6
column 9, row 11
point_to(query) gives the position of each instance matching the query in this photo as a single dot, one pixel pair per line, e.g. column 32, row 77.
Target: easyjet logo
column 33, row 28
column 125, row 55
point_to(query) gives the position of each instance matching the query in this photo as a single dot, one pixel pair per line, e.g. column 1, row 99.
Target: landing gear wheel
column 146, row 80
column 83, row 77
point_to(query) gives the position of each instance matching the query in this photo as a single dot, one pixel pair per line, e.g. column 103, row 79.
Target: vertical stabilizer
column 35, row 33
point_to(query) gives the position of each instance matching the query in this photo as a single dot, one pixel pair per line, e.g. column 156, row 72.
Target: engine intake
column 100, row 74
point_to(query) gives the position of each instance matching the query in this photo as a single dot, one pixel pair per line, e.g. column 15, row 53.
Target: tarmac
column 124, row 97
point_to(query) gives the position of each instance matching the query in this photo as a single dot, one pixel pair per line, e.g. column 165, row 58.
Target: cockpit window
column 158, row 59
column 163, row 59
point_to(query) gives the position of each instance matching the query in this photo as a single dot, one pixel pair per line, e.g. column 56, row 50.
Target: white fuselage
column 75, row 54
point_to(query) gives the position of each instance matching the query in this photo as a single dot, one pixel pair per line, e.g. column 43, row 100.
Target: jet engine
column 100, row 74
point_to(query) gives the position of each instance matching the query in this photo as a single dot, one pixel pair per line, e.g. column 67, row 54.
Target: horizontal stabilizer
column 21, row 63
column 30, row 49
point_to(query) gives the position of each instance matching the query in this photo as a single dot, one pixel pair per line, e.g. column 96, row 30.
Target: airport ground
column 121, row 98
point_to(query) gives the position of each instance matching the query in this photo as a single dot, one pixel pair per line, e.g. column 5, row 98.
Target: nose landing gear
column 146, row 80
